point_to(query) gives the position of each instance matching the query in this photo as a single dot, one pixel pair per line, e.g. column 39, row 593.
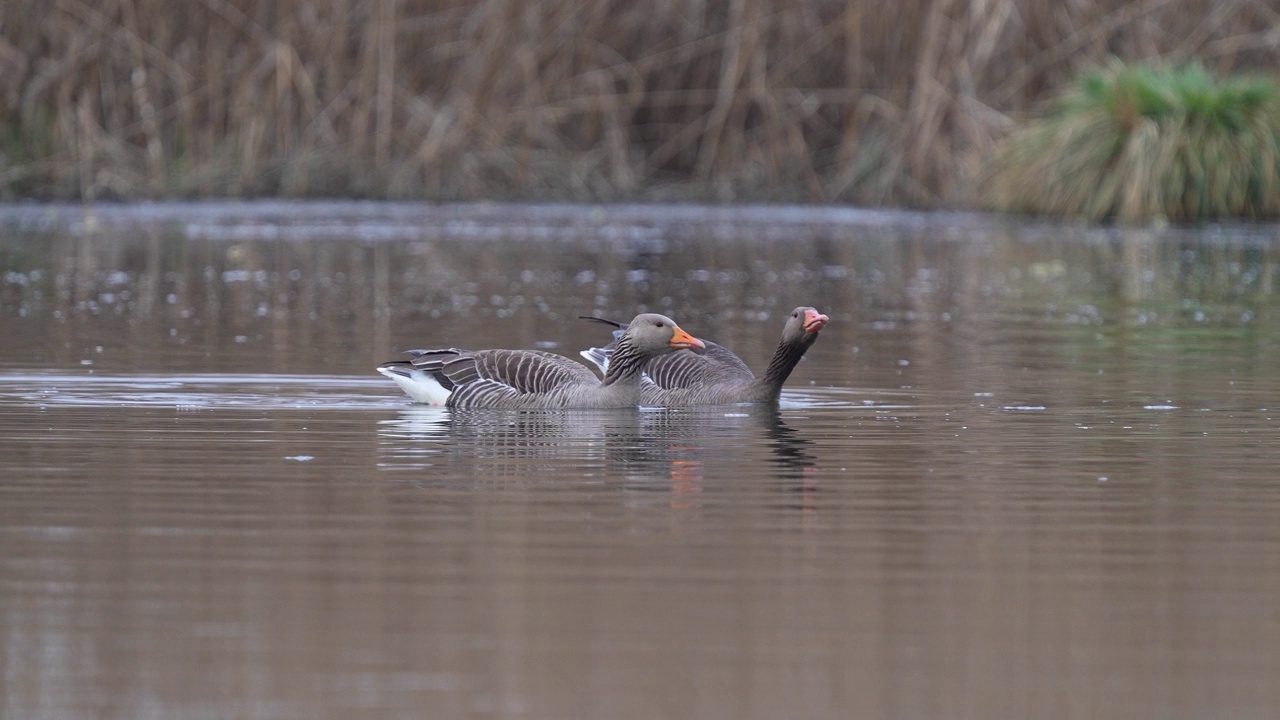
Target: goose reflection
column 710, row 447
column 486, row 445
column 648, row 450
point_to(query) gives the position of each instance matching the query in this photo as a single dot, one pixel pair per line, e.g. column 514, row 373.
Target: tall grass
column 1136, row 143
column 865, row 101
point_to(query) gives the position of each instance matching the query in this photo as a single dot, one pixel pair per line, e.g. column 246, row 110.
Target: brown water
column 1027, row 471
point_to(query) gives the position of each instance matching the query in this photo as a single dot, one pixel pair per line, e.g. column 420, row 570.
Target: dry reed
column 864, row 102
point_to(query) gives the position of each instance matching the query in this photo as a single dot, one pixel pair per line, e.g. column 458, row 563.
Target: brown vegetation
column 864, row 102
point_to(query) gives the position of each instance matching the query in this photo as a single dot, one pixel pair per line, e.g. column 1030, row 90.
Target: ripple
column 199, row 392
column 845, row 398
column 311, row 392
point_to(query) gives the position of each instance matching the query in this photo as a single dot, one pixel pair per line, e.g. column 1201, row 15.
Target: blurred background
column 868, row 103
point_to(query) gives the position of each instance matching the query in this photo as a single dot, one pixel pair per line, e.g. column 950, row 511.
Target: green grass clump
column 1133, row 144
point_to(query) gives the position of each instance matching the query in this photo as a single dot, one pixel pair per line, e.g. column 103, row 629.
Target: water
column 1027, row 471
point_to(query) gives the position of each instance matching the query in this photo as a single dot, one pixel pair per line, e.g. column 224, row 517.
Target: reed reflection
column 306, row 301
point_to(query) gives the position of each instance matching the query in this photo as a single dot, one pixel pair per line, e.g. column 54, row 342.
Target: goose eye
column 661, row 325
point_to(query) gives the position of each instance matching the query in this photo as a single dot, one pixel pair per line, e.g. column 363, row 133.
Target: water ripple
column 186, row 392
column 312, row 392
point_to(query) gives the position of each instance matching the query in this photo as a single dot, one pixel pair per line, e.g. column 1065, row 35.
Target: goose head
column 654, row 334
column 803, row 326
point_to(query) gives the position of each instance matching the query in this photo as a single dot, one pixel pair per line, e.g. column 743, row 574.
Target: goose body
column 715, row 375
column 532, row 379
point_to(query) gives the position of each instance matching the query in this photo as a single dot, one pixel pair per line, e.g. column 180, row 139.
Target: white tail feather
column 598, row 357
column 420, row 386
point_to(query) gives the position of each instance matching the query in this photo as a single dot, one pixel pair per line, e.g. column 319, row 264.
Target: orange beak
column 814, row 321
column 682, row 340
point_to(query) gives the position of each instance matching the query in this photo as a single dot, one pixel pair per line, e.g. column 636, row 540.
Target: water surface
column 1027, row 471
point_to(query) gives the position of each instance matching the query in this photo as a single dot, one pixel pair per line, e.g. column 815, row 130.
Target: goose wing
column 683, row 369
column 487, row 377
column 599, row 356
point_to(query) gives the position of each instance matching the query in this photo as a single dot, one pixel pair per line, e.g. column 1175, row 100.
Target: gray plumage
column 533, row 379
column 715, row 375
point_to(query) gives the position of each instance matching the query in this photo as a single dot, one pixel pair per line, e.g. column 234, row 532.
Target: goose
column 532, row 379
column 715, row 376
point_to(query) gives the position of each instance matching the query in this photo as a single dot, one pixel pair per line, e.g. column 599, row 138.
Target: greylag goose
column 715, row 376
column 534, row 379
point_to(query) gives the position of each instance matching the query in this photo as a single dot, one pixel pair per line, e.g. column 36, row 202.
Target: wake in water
column 279, row 392
column 269, row 392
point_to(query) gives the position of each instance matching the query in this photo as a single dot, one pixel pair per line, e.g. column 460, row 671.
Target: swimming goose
column 715, row 376
column 534, row 379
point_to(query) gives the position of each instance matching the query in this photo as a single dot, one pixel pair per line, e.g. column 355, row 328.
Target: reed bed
column 790, row 100
column 1140, row 143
